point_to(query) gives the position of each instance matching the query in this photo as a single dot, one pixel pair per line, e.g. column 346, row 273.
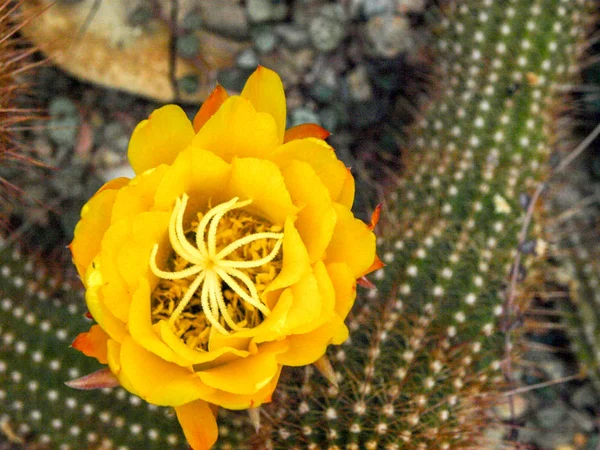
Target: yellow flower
column 233, row 252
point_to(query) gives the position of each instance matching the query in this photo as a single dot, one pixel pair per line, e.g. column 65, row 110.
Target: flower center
column 219, row 267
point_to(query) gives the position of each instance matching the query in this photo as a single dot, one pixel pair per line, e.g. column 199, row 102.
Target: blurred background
column 362, row 69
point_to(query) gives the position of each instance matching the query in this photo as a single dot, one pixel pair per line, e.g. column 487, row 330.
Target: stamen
column 208, row 313
column 197, row 256
column 211, row 269
column 185, row 273
column 253, row 300
column 217, row 293
column 255, row 263
column 186, row 298
column 212, row 231
column 206, row 219
column 246, row 240
column 174, row 238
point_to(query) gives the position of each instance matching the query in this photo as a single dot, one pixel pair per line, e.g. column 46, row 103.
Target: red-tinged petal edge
column 210, row 106
column 103, row 378
column 305, row 130
column 92, row 343
column 88, row 315
column 375, row 217
column 377, row 264
column 365, row 283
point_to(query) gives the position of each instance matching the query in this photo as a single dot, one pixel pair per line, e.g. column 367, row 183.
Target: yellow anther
column 210, row 268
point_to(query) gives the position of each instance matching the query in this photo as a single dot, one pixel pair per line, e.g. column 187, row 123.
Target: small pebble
column 188, row 45
column 192, row 21
column 259, row 10
column 63, row 125
column 247, row 59
column 329, row 119
column 551, row 416
column 327, row 29
column 520, row 404
column 293, row 36
column 189, row 84
column 233, row 78
column 585, row 397
column 265, row 40
column 227, row 17
column 389, row 36
column 116, row 136
column 359, row 85
column 140, row 15
column 372, row 8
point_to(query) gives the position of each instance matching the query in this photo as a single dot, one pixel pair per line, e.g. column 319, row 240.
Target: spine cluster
column 430, row 348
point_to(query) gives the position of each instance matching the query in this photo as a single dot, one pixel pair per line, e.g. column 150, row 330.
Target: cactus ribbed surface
column 426, row 347
column 426, row 354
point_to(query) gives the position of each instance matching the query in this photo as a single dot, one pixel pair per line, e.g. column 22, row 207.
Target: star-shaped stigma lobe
column 209, row 265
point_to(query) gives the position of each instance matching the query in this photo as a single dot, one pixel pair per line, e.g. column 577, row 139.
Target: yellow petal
column 138, row 195
column 147, row 228
column 262, row 182
column 159, row 139
column 321, row 157
column 113, row 355
column 194, row 356
column 265, row 91
column 210, row 106
column 156, row 380
column 92, row 343
column 217, row 341
column 316, row 220
column 198, row 173
column 230, row 400
column 326, row 289
column 244, row 376
column 114, row 293
column 95, row 219
column 273, row 326
column 346, row 196
column 344, row 284
column 107, row 321
column 140, row 327
column 309, row 347
column 237, row 129
column 198, row 424
column 352, row 243
column 114, row 363
column 296, row 262
column 305, row 313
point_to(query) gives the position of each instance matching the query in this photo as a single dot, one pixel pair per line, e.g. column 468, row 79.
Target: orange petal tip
column 103, row 378
column 92, row 343
column 210, row 106
column 305, row 130
column 377, row 264
column 375, row 217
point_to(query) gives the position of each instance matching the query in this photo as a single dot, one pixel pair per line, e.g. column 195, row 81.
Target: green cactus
column 427, row 354
column 424, row 359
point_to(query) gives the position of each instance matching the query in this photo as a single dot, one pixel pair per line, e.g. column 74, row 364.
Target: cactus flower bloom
column 232, row 253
